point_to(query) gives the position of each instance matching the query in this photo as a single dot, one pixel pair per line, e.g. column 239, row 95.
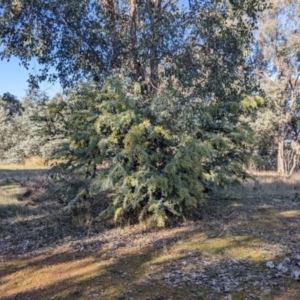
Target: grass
column 272, row 183
column 54, row 256
column 9, row 204
column 32, row 163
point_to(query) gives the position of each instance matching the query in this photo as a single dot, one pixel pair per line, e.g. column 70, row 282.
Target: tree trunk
column 294, row 164
column 280, row 157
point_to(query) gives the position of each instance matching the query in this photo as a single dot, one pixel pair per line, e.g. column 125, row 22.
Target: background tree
column 277, row 59
column 20, row 138
column 160, row 99
column 35, row 105
column 15, row 129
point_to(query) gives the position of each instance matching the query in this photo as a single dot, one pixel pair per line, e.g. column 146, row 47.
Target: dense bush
column 153, row 169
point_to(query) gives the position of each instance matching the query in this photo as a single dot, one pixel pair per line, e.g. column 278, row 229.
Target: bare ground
column 45, row 254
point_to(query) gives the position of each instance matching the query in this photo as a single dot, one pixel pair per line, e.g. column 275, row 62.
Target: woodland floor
column 45, row 254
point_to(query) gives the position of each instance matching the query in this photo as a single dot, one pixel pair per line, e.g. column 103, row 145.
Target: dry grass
column 32, row 163
column 9, row 204
column 270, row 183
column 252, row 224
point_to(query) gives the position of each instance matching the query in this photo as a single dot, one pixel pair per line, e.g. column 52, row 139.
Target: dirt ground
column 45, row 254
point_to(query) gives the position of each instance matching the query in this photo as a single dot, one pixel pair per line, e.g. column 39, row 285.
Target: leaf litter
column 250, row 250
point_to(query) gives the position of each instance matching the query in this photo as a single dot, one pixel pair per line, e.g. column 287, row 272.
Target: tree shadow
column 12, row 210
column 7, row 176
column 49, row 257
column 147, row 273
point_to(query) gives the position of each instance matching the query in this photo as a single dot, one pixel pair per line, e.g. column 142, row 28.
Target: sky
column 14, row 76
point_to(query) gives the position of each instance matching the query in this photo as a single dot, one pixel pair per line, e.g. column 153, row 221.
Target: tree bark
column 294, row 163
column 280, row 154
column 280, row 157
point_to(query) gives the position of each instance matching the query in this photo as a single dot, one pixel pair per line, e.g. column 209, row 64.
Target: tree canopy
column 135, row 37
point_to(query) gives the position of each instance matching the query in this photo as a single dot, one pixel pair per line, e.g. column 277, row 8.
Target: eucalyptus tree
column 11, row 131
column 158, row 93
column 18, row 133
column 277, row 59
column 134, row 37
column 10, row 113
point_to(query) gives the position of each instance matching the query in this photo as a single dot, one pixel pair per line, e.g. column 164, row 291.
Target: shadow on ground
column 9, row 175
column 45, row 255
